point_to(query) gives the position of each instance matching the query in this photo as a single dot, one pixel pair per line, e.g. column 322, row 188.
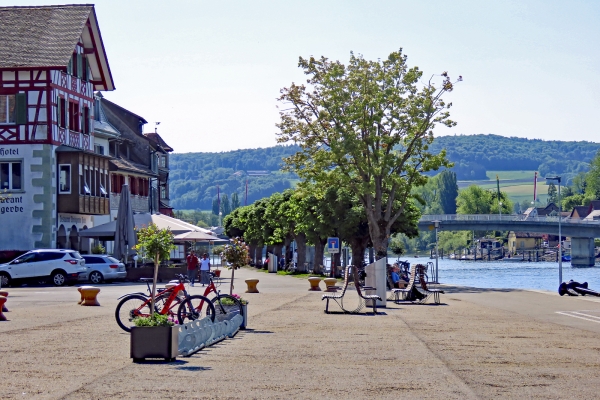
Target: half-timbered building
column 53, row 182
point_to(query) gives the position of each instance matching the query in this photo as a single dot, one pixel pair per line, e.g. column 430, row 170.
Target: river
column 509, row 275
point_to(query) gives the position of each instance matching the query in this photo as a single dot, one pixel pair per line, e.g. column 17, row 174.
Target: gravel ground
column 477, row 344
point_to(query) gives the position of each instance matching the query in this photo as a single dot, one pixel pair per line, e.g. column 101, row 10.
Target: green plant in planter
column 154, row 320
column 98, row 249
column 236, row 254
column 227, row 301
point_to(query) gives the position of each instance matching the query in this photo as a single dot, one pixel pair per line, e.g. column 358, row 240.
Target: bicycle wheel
column 195, row 307
column 227, row 307
column 129, row 308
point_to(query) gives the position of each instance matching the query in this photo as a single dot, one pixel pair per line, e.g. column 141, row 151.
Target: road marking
column 580, row 315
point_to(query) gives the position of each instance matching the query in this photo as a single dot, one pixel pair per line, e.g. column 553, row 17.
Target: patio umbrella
column 125, row 237
column 196, row 236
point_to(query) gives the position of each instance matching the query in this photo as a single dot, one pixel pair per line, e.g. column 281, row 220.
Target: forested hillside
column 194, row 176
column 475, row 154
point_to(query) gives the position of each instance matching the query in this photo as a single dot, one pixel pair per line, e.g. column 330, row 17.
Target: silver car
column 104, row 268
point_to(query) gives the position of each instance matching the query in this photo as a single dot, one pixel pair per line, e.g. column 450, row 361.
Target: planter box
column 245, row 311
column 165, row 274
column 154, row 342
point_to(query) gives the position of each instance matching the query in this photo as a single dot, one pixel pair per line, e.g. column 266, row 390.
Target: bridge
column 582, row 232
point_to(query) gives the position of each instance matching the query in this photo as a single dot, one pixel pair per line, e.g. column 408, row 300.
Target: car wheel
column 59, row 278
column 96, row 277
column 4, row 280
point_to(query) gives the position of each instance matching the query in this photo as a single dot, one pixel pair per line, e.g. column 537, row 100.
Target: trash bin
column 272, row 267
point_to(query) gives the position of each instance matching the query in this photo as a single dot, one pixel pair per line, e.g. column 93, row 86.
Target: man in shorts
column 192, row 266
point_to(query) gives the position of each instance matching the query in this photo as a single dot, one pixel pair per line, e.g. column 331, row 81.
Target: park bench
column 408, row 289
column 359, row 290
column 424, row 290
column 337, row 296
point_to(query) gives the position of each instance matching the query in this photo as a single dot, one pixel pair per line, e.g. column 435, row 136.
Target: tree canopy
column 372, row 123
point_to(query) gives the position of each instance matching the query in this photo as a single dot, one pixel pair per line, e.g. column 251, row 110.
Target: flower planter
column 217, row 273
column 154, row 342
column 245, row 311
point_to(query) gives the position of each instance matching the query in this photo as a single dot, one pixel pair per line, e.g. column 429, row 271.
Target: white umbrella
column 125, row 237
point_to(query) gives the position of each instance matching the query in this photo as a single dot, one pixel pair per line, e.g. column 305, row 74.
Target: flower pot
column 154, row 342
column 217, row 273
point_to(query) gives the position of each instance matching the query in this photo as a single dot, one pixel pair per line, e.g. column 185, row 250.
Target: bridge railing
column 504, row 218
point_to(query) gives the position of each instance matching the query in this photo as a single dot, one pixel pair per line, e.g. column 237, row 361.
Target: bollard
column 89, row 295
column 314, row 283
column 252, row 285
column 2, row 301
column 330, row 284
column 4, row 293
column 80, row 296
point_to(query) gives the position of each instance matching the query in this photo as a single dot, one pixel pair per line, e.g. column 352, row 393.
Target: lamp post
column 500, row 209
column 557, row 178
column 437, row 225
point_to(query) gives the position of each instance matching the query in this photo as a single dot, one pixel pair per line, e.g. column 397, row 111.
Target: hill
column 194, row 176
column 474, row 155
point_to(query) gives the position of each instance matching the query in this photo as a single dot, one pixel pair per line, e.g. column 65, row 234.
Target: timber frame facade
column 54, row 184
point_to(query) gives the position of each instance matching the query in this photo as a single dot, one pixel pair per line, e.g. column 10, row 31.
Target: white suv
column 61, row 266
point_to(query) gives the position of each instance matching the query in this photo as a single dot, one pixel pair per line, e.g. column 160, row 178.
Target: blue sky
column 210, row 72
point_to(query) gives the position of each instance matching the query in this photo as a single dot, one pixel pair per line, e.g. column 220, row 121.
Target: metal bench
column 359, row 290
column 425, row 291
column 337, row 296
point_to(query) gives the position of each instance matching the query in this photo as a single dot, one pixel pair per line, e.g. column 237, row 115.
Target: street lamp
column 437, row 225
column 557, row 178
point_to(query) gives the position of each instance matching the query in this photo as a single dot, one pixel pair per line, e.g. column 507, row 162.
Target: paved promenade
column 478, row 344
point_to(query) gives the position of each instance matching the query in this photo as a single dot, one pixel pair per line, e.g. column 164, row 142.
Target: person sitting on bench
column 395, row 277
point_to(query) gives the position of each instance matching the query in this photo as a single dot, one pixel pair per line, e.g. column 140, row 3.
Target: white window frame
column 10, row 184
column 60, row 186
column 10, row 117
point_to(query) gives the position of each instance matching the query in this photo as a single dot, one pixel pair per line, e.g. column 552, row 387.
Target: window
column 61, row 112
column 83, row 183
column 11, row 175
column 102, row 190
column 163, row 161
column 64, row 176
column 86, row 121
column 7, row 109
column 74, row 116
column 98, row 149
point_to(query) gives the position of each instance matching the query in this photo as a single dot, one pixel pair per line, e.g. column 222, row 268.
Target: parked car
column 60, row 266
column 101, row 267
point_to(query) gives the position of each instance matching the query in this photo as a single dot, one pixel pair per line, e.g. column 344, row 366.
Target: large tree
column 372, row 121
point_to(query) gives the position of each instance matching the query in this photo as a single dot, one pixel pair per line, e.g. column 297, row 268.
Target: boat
column 512, row 259
column 566, row 258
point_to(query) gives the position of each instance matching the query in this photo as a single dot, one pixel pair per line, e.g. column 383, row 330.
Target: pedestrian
column 295, row 258
column 192, row 266
column 204, row 269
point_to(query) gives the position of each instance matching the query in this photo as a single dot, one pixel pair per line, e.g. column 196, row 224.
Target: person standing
column 192, row 266
column 295, row 258
column 204, row 269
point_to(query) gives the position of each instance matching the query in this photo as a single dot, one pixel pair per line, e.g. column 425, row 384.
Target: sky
column 210, row 71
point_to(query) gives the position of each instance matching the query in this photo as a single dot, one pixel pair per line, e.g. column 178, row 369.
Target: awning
column 196, row 236
column 177, row 226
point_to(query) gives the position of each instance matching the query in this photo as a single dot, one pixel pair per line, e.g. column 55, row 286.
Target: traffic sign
column 333, row 245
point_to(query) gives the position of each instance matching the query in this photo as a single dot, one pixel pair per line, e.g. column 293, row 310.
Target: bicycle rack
column 198, row 334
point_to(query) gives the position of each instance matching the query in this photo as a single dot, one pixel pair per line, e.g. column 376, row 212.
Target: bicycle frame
column 167, row 305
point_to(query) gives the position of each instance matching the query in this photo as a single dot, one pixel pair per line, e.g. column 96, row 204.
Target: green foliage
column 552, row 194
column 236, row 253
column 235, row 201
column 475, row 200
column 474, row 154
column 370, row 121
column 592, row 179
column 98, row 249
column 155, row 320
column 155, row 243
column 194, row 177
column 396, row 246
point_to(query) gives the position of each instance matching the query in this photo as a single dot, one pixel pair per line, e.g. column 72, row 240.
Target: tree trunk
column 319, row 251
column 359, row 246
column 252, row 253
column 277, row 250
column 301, row 247
column 156, row 263
column 337, row 263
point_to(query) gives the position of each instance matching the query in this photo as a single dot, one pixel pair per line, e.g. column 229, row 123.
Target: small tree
column 235, row 253
column 155, row 244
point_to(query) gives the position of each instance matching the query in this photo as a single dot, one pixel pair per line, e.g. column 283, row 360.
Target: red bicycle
column 225, row 305
column 188, row 307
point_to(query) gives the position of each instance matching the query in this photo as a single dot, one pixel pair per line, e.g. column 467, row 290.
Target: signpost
column 333, row 247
